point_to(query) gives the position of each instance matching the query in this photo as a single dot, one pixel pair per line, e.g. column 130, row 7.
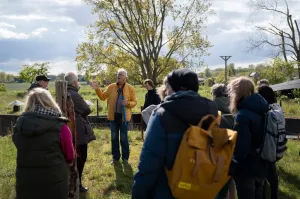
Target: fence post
column 97, row 108
column 67, row 107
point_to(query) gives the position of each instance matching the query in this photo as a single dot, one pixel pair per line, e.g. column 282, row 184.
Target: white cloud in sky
column 7, row 34
column 6, row 25
column 57, row 65
column 38, row 31
column 63, row 30
column 33, row 17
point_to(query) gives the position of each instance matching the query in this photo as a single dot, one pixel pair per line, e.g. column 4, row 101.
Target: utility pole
column 225, row 58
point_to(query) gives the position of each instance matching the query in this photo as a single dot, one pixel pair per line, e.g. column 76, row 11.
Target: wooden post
column 67, row 107
column 97, row 108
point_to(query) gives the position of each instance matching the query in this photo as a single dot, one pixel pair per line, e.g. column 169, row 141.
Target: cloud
column 7, row 34
column 69, row 2
column 38, row 31
column 2, row 24
column 32, row 17
column 63, row 30
column 57, row 65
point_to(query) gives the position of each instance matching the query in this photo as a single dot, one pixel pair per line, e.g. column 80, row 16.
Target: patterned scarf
column 45, row 110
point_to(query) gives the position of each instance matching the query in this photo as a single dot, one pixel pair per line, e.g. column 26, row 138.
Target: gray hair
column 263, row 82
column 122, row 70
column 219, row 90
column 71, row 78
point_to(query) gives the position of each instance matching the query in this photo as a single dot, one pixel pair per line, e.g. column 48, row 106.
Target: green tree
column 207, row 72
column 2, row 77
column 29, row 72
column 9, row 78
column 220, row 78
column 60, row 76
column 140, row 29
column 276, row 71
column 231, row 70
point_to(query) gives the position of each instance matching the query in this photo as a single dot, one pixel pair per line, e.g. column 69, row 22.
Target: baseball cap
column 42, row 78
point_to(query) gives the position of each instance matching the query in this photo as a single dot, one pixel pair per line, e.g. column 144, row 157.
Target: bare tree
column 285, row 40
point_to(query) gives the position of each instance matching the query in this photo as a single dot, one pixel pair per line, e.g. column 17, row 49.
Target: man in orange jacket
column 121, row 99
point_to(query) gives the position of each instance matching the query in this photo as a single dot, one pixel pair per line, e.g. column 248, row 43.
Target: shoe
column 83, row 189
column 125, row 161
column 114, row 162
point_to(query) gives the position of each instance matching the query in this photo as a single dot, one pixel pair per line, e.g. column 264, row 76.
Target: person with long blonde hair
column 44, row 149
column 247, row 168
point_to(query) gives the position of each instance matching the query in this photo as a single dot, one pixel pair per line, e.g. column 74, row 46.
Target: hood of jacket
column 255, row 103
column 189, row 106
column 31, row 124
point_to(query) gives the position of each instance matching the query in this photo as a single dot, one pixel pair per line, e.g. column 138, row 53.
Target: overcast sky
column 50, row 30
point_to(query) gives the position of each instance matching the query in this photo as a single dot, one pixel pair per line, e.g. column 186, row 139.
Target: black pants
column 272, row 178
column 81, row 159
column 249, row 187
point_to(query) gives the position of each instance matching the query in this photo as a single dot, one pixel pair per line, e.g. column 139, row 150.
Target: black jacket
column 85, row 133
column 151, row 98
column 34, row 85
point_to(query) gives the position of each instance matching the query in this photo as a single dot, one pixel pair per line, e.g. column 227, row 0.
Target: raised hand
column 94, row 85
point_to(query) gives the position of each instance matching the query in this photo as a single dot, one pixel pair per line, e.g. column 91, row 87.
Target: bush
column 296, row 93
column 2, row 87
column 21, row 94
column 209, row 82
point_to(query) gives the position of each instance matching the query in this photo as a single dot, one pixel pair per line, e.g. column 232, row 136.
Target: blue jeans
column 117, row 127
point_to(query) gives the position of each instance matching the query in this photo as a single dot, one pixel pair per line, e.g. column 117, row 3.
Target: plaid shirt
column 45, row 110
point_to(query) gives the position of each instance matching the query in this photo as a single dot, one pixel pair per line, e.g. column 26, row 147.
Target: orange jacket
column 111, row 94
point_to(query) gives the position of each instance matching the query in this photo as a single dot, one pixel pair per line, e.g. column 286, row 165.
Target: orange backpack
column 202, row 161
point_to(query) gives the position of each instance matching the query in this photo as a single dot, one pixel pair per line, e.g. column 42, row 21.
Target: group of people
column 44, row 141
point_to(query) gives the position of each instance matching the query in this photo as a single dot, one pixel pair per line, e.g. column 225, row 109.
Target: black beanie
column 267, row 93
column 183, row 79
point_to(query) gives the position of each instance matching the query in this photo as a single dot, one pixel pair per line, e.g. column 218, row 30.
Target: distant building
column 287, row 88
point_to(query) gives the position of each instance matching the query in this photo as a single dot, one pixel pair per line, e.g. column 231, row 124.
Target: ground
column 108, row 182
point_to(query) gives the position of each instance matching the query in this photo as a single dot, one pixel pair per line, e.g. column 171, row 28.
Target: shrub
column 21, row 94
column 296, row 93
column 209, row 82
column 2, row 87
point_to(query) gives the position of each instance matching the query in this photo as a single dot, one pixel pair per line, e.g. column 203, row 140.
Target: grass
column 108, row 182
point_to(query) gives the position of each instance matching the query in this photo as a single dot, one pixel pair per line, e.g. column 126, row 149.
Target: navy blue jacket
column 249, row 123
column 164, row 133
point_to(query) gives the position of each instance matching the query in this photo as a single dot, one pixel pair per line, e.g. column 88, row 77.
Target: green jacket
column 42, row 171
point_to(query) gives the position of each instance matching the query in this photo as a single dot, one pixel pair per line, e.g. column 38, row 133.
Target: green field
column 109, row 182
column 16, row 91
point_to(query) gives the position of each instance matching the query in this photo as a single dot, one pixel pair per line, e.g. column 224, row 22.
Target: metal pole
column 225, row 58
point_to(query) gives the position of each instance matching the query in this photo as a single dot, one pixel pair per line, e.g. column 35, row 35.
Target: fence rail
column 7, row 122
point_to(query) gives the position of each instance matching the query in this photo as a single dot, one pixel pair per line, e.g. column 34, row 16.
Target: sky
column 50, row 30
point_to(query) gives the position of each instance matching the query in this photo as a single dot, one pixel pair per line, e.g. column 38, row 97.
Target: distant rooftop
column 286, row 85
